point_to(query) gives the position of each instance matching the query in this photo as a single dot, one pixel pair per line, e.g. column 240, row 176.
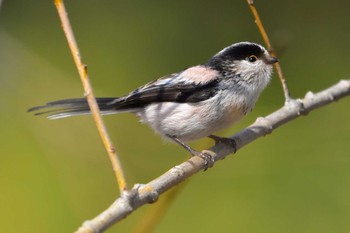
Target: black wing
column 172, row 88
column 192, row 85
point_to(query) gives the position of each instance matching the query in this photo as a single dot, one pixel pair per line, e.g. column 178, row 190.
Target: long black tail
column 73, row 107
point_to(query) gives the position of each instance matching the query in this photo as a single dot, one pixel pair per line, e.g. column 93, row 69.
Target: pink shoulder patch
column 199, row 74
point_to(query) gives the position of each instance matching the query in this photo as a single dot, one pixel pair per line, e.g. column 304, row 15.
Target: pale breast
column 191, row 121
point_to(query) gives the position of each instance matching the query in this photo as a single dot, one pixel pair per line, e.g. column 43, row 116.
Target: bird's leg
column 208, row 159
column 228, row 141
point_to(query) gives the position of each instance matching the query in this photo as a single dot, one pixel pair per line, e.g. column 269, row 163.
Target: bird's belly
column 189, row 122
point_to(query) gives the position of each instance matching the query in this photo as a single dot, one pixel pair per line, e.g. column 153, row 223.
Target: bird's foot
column 228, row 141
column 207, row 156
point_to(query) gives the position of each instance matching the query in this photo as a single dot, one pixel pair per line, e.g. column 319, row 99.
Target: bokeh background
column 56, row 174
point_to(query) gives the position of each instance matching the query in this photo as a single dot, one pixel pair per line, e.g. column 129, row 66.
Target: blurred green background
column 56, row 174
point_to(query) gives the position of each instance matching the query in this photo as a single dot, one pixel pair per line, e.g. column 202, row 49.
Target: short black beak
column 270, row 59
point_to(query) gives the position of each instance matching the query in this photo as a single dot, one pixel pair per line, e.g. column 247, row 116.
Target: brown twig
column 82, row 69
column 269, row 48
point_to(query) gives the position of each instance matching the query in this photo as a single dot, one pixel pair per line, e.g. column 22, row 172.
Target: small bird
column 193, row 103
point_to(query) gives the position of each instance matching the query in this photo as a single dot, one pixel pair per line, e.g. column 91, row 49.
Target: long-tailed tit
column 193, row 103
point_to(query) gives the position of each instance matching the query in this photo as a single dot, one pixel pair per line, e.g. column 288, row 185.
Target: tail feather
column 73, row 107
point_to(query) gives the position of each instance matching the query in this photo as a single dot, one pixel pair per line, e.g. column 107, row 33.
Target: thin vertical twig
column 82, row 69
column 269, row 48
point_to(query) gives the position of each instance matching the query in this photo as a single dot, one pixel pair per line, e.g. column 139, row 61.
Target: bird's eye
column 252, row 58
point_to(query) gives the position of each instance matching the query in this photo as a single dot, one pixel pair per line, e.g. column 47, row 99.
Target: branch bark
column 142, row 194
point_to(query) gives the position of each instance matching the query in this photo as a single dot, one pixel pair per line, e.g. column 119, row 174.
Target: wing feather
column 189, row 86
column 192, row 85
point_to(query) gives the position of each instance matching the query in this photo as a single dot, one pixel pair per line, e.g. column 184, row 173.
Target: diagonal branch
column 143, row 194
column 82, row 69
